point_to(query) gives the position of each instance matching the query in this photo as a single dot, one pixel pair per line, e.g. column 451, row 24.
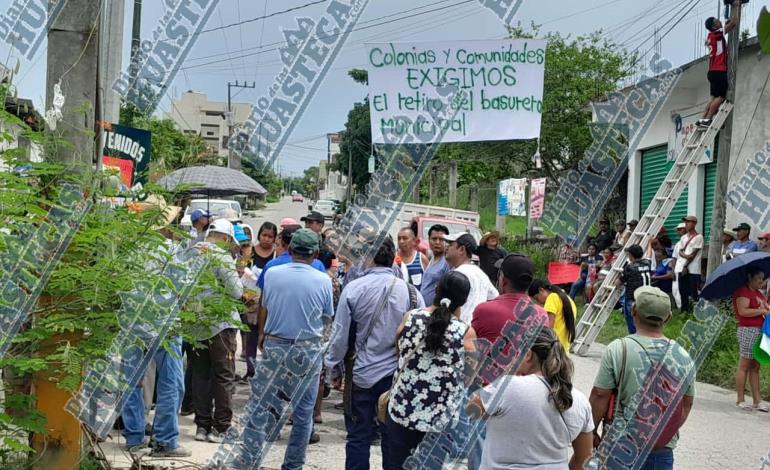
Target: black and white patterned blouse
column 429, row 389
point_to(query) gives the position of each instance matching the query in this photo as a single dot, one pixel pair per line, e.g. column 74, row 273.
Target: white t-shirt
column 481, row 290
column 696, row 243
column 525, row 430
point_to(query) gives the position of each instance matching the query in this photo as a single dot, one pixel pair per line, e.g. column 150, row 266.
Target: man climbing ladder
column 717, row 73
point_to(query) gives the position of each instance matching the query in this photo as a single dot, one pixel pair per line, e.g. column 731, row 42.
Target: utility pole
column 232, row 160
column 136, row 37
column 350, row 177
column 73, row 64
column 452, row 183
column 723, row 156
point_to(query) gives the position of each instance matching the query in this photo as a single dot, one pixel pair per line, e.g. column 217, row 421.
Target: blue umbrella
column 731, row 275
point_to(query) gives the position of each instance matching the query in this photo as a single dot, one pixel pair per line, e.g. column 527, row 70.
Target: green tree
column 357, row 137
column 171, row 148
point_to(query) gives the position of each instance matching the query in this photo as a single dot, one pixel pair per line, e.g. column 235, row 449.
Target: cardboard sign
column 563, row 273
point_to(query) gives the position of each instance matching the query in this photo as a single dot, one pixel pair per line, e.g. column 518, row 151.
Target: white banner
column 681, row 128
column 511, row 197
column 503, row 80
column 536, row 198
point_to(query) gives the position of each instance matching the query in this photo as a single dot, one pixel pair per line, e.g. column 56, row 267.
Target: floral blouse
column 429, row 388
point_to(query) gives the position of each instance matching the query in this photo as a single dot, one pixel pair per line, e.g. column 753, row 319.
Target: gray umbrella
column 212, row 181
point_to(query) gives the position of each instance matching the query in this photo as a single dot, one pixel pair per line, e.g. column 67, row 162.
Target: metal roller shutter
column 655, row 167
column 708, row 192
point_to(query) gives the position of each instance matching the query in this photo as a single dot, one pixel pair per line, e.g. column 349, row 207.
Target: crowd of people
column 401, row 330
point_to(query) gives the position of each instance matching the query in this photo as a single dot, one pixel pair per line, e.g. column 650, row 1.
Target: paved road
column 277, row 211
column 716, row 436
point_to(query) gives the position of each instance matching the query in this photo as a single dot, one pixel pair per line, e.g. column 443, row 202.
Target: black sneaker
column 314, row 438
column 160, row 451
column 201, row 434
column 703, row 123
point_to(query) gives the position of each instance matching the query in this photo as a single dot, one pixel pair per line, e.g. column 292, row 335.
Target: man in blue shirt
column 369, row 312
column 743, row 244
column 297, row 301
column 438, row 265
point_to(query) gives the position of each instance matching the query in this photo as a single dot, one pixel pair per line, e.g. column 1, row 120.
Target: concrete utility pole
column 723, row 156
column 73, row 62
column 136, row 37
column 110, row 58
column 73, row 47
column 233, row 161
column 452, row 184
column 350, row 176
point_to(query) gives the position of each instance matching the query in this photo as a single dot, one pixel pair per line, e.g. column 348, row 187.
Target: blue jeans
column 169, row 388
column 661, row 459
column 301, row 390
column 578, row 285
column 628, row 303
column 362, row 425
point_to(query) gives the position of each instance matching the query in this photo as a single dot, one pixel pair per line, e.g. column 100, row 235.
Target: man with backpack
column 625, row 366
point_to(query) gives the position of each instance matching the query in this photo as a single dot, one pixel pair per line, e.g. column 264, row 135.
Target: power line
column 328, row 36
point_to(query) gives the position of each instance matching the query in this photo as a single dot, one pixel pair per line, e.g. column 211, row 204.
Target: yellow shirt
column 553, row 306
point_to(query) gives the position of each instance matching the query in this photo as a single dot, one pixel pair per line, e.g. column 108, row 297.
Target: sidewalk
column 716, row 436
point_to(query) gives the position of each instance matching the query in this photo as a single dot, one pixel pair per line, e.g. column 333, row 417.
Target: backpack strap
column 623, row 358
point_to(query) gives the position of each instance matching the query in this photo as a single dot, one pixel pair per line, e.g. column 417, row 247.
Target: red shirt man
column 717, row 73
column 490, row 318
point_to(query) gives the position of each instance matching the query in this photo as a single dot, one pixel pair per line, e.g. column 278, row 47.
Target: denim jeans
column 578, row 285
column 661, row 459
column 170, row 390
column 362, row 425
column 301, row 390
column 628, row 303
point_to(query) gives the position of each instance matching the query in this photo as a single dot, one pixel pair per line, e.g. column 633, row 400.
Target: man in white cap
column 213, row 367
column 459, row 255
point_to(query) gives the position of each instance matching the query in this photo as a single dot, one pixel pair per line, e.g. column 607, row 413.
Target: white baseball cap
column 222, row 226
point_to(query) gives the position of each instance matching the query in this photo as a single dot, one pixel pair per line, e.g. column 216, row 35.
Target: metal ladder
column 660, row 207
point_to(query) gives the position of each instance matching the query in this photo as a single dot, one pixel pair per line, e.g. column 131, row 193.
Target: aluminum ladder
column 660, row 207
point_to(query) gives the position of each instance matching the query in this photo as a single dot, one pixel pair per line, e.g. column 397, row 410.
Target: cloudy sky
column 245, row 52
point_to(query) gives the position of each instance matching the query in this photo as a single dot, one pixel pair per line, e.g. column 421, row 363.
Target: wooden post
column 474, row 198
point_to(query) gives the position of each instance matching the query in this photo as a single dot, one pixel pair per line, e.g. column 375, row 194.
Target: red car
column 297, row 198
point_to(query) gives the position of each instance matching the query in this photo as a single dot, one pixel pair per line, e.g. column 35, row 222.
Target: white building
column 649, row 165
column 23, row 109
column 193, row 113
column 336, row 184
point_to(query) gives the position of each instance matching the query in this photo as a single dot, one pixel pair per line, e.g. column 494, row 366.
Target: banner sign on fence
column 536, row 198
column 127, row 150
column 511, row 197
column 503, row 80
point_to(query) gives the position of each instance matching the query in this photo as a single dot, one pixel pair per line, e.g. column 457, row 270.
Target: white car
column 215, row 206
column 326, row 208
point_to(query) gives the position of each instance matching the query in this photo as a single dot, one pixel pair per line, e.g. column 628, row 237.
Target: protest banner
column 563, row 273
column 536, row 198
column 512, row 197
column 503, row 80
column 128, row 151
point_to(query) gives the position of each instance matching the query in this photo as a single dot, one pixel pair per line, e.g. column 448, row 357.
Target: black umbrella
column 212, row 181
column 731, row 274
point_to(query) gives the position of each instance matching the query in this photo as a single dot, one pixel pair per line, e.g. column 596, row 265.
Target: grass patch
column 719, row 366
column 513, row 225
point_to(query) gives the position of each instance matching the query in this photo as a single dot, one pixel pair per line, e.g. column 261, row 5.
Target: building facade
column 658, row 148
column 193, row 113
column 336, row 183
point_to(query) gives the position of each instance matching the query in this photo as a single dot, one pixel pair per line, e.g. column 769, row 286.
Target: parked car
column 325, row 207
column 214, row 206
column 297, row 198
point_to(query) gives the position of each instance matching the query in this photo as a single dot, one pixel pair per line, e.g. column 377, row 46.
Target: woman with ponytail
column 429, row 389
column 534, row 416
column 560, row 307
